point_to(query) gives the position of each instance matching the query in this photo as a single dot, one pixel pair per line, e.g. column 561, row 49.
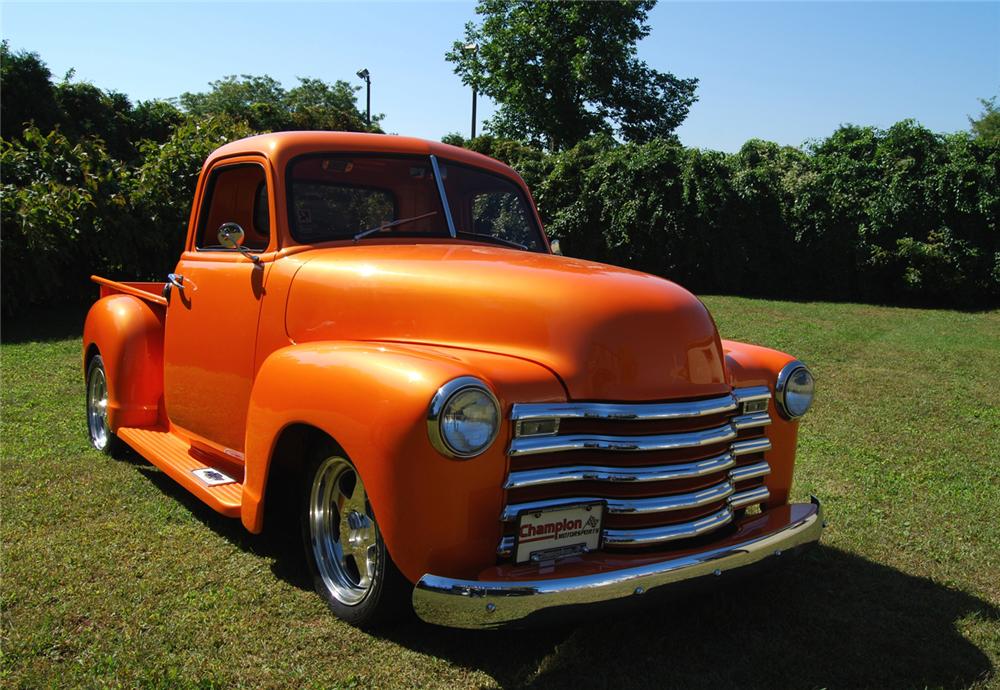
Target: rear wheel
column 350, row 565
column 101, row 436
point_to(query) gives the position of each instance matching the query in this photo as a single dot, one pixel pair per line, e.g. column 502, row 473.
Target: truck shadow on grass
column 827, row 618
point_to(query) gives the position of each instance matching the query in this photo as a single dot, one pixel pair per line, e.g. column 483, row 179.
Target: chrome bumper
column 482, row 604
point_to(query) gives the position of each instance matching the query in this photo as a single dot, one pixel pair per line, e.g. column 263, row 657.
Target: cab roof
column 281, row 147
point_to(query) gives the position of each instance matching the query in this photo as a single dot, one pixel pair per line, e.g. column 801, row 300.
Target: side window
column 235, row 194
column 504, row 215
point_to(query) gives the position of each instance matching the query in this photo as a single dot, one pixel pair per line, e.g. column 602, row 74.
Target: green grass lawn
column 113, row 575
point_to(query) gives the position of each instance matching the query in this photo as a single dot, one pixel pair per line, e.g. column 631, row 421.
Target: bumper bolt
column 491, row 607
column 778, row 552
column 717, row 572
column 640, row 590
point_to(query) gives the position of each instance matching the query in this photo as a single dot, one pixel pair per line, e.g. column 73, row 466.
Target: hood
column 609, row 333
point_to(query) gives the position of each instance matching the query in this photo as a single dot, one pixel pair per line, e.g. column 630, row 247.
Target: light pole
column 474, row 48
column 363, row 74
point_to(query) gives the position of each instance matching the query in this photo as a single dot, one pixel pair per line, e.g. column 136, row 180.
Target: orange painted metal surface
column 354, row 339
column 752, row 365
column 610, row 333
column 127, row 331
column 151, row 292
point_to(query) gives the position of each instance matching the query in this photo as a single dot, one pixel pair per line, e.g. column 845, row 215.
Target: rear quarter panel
column 128, row 333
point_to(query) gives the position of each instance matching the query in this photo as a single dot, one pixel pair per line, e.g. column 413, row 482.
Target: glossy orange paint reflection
column 609, row 333
column 354, row 339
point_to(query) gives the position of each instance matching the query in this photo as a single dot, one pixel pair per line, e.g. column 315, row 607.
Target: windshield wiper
column 493, row 238
column 386, row 226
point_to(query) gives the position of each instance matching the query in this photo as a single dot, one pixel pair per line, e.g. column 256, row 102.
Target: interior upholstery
column 236, row 194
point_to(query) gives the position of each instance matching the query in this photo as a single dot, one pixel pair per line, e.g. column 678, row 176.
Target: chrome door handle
column 176, row 280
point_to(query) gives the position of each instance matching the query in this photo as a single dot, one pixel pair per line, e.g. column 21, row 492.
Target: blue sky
column 787, row 72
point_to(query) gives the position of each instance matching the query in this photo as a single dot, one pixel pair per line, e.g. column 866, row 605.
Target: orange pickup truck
column 374, row 332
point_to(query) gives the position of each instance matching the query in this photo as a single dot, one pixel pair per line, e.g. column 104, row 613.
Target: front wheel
column 351, row 567
column 101, row 436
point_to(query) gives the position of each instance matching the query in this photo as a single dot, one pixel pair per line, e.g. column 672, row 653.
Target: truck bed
column 151, row 292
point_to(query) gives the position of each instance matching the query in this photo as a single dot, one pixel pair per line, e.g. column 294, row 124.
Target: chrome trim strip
column 628, row 506
column 623, row 412
column 492, row 604
column 506, row 547
column 751, row 421
column 534, row 445
column 639, row 411
column 750, row 446
column 658, row 535
column 600, row 473
column 759, row 469
column 751, row 394
column 746, row 498
column 444, row 197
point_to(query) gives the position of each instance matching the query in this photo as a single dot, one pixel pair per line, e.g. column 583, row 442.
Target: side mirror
column 231, row 235
column 556, row 249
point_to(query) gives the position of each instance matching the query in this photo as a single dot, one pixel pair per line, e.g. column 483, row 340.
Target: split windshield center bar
column 444, row 197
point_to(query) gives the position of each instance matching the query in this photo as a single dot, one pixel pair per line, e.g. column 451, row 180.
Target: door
column 211, row 325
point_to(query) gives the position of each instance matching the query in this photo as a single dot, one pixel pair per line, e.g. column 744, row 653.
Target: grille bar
column 581, row 473
column 746, row 498
column 622, row 506
column 534, row 445
column 657, row 535
column 759, row 469
column 640, row 411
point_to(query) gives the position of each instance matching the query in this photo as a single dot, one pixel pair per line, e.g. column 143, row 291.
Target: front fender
column 436, row 514
column 752, row 365
column 128, row 333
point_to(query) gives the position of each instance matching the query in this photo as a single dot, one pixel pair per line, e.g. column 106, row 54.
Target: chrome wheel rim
column 343, row 532
column 97, row 409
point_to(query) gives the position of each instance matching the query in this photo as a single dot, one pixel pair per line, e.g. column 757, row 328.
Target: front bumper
column 492, row 604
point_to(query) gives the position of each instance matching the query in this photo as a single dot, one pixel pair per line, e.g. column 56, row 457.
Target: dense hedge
column 901, row 215
column 69, row 210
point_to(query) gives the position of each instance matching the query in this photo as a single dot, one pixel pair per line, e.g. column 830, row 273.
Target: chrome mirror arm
column 231, row 237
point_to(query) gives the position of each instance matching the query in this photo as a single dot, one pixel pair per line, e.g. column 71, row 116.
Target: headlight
column 794, row 390
column 464, row 418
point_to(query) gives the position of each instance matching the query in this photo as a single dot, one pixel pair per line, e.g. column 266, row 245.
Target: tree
column 78, row 109
column 27, row 90
column 986, row 127
column 561, row 71
column 264, row 104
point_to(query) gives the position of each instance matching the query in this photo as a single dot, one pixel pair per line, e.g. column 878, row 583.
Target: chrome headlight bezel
column 781, row 389
column 439, row 408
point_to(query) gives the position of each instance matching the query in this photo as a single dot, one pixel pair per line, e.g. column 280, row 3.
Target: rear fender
column 752, row 365
column 436, row 514
column 128, row 334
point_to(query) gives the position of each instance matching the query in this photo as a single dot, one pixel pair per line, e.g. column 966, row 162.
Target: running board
column 213, row 485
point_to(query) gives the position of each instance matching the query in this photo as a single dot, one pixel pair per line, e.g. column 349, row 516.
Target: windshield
column 334, row 197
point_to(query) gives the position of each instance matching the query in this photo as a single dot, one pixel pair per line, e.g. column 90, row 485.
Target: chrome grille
column 664, row 471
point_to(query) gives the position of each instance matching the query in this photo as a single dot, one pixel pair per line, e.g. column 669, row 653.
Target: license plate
column 563, row 531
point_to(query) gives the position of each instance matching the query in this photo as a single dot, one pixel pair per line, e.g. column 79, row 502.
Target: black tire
column 365, row 594
column 101, row 436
